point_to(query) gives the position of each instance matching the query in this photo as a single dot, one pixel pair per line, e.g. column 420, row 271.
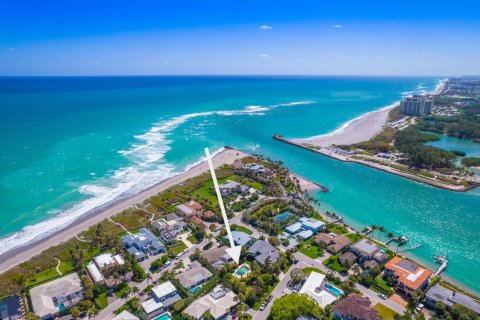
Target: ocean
column 69, row 145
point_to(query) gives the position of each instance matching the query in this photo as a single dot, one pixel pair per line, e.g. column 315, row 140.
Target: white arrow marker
column 233, row 251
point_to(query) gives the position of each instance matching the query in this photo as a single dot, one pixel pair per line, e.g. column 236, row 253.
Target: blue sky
column 148, row 37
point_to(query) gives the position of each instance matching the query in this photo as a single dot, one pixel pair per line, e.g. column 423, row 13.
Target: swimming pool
column 165, row 316
column 335, row 291
column 242, row 271
column 192, row 291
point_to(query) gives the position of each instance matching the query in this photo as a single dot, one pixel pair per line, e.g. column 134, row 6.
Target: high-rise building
column 416, row 105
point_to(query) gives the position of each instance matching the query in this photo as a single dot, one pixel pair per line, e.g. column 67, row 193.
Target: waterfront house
column 50, row 298
column 294, row 228
column 219, row 302
column 217, row 257
column 319, row 290
column 11, row 308
column 366, row 250
column 348, row 259
column 230, row 187
column 407, row 274
column 257, row 168
column 194, row 275
column 241, row 238
column 355, row 307
column 189, row 209
column 334, row 243
column 142, row 244
column 450, row 298
column 163, row 296
column 311, row 224
column 101, row 264
column 263, row 251
column 305, row 234
column 168, row 230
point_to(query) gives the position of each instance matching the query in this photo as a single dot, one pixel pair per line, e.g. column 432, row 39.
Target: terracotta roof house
column 347, row 258
column 334, row 243
column 368, row 250
column 354, row 307
column 208, row 215
column 189, row 209
column 408, row 275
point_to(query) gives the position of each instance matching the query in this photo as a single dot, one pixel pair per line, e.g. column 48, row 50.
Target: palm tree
column 148, row 277
column 373, row 227
column 135, row 290
column 380, row 230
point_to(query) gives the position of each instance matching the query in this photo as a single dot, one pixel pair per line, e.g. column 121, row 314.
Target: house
column 52, row 297
column 319, row 290
column 311, row 224
column 254, row 167
column 449, row 298
column 241, row 238
column 408, row 275
column 104, row 262
column 168, row 230
column 355, row 307
column 189, row 209
column 141, row 244
column 219, row 302
column 294, row 228
column 334, row 243
column 230, row 187
column 347, row 259
column 370, row 264
column 11, row 308
column 125, row 315
column 194, row 276
column 208, row 215
column 163, row 296
column 366, row 250
column 305, row 234
column 262, row 251
column 217, row 257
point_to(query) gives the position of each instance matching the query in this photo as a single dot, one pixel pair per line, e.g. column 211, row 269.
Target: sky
column 178, row 37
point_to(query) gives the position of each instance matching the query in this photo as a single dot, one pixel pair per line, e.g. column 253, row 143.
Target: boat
column 440, row 259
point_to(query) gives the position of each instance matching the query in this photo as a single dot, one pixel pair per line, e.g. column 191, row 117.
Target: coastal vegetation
column 293, row 306
column 471, row 162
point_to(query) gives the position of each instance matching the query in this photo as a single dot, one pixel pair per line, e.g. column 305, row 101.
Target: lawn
column 338, row 229
column 236, row 227
column 333, row 263
column 385, row 312
column 192, row 239
column 381, row 286
column 122, row 288
column 43, row 276
column 354, row 237
column 309, row 270
column 176, row 249
column 311, row 250
column 102, row 300
column 66, row 266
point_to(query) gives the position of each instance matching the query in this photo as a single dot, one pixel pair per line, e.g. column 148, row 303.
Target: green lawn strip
column 381, row 286
column 177, row 248
column 102, row 300
column 354, row 237
column 309, row 270
column 122, row 288
column 339, row 230
column 43, row 276
column 66, row 266
column 333, row 263
column 236, row 227
column 192, row 239
column 385, row 312
column 313, row 251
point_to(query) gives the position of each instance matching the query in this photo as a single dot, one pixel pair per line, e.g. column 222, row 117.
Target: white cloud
column 266, row 56
column 265, row 27
column 338, row 26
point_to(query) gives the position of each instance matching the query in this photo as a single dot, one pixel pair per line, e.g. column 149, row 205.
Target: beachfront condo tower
column 416, row 105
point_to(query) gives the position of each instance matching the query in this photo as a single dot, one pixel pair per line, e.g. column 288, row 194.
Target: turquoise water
column 192, row 291
column 73, row 144
column 165, row 316
column 333, row 290
column 242, row 271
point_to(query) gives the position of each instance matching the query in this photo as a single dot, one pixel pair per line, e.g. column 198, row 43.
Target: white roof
column 305, row 234
column 184, row 208
column 314, row 281
column 311, row 223
column 164, row 289
column 125, row 315
column 108, row 258
column 94, row 272
column 151, row 306
column 218, row 307
column 294, row 227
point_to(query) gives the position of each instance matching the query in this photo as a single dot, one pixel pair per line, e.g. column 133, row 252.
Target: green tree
column 294, row 305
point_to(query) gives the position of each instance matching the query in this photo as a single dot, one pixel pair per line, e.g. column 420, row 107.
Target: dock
column 441, row 268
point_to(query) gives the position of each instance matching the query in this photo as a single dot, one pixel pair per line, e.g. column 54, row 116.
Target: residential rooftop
column 450, row 298
column 218, row 302
column 194, row 275
column 409, row 273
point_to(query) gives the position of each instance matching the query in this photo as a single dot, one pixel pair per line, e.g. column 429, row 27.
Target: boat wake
column 147, row 167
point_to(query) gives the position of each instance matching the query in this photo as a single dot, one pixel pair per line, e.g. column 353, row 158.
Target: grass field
column 192, row 239
column 385, row 312
column 309, row 270
column 333, row 263
column 236, row 227
column 43, row 276
column 102, row 300
column 309, row 249
column 175, row 250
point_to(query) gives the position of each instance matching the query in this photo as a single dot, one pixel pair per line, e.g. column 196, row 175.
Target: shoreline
column 24, row 252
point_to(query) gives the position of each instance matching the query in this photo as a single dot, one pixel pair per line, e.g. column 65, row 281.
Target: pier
column 441, row 268
column 411, row 248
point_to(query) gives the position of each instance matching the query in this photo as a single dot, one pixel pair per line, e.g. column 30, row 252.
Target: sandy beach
column 21, row 254
column 357, row 130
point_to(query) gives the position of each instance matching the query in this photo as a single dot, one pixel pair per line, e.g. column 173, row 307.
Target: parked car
column 167, row 263
column 295, row 261
column 262, row 307
column 381, row 295
column 419, row 307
